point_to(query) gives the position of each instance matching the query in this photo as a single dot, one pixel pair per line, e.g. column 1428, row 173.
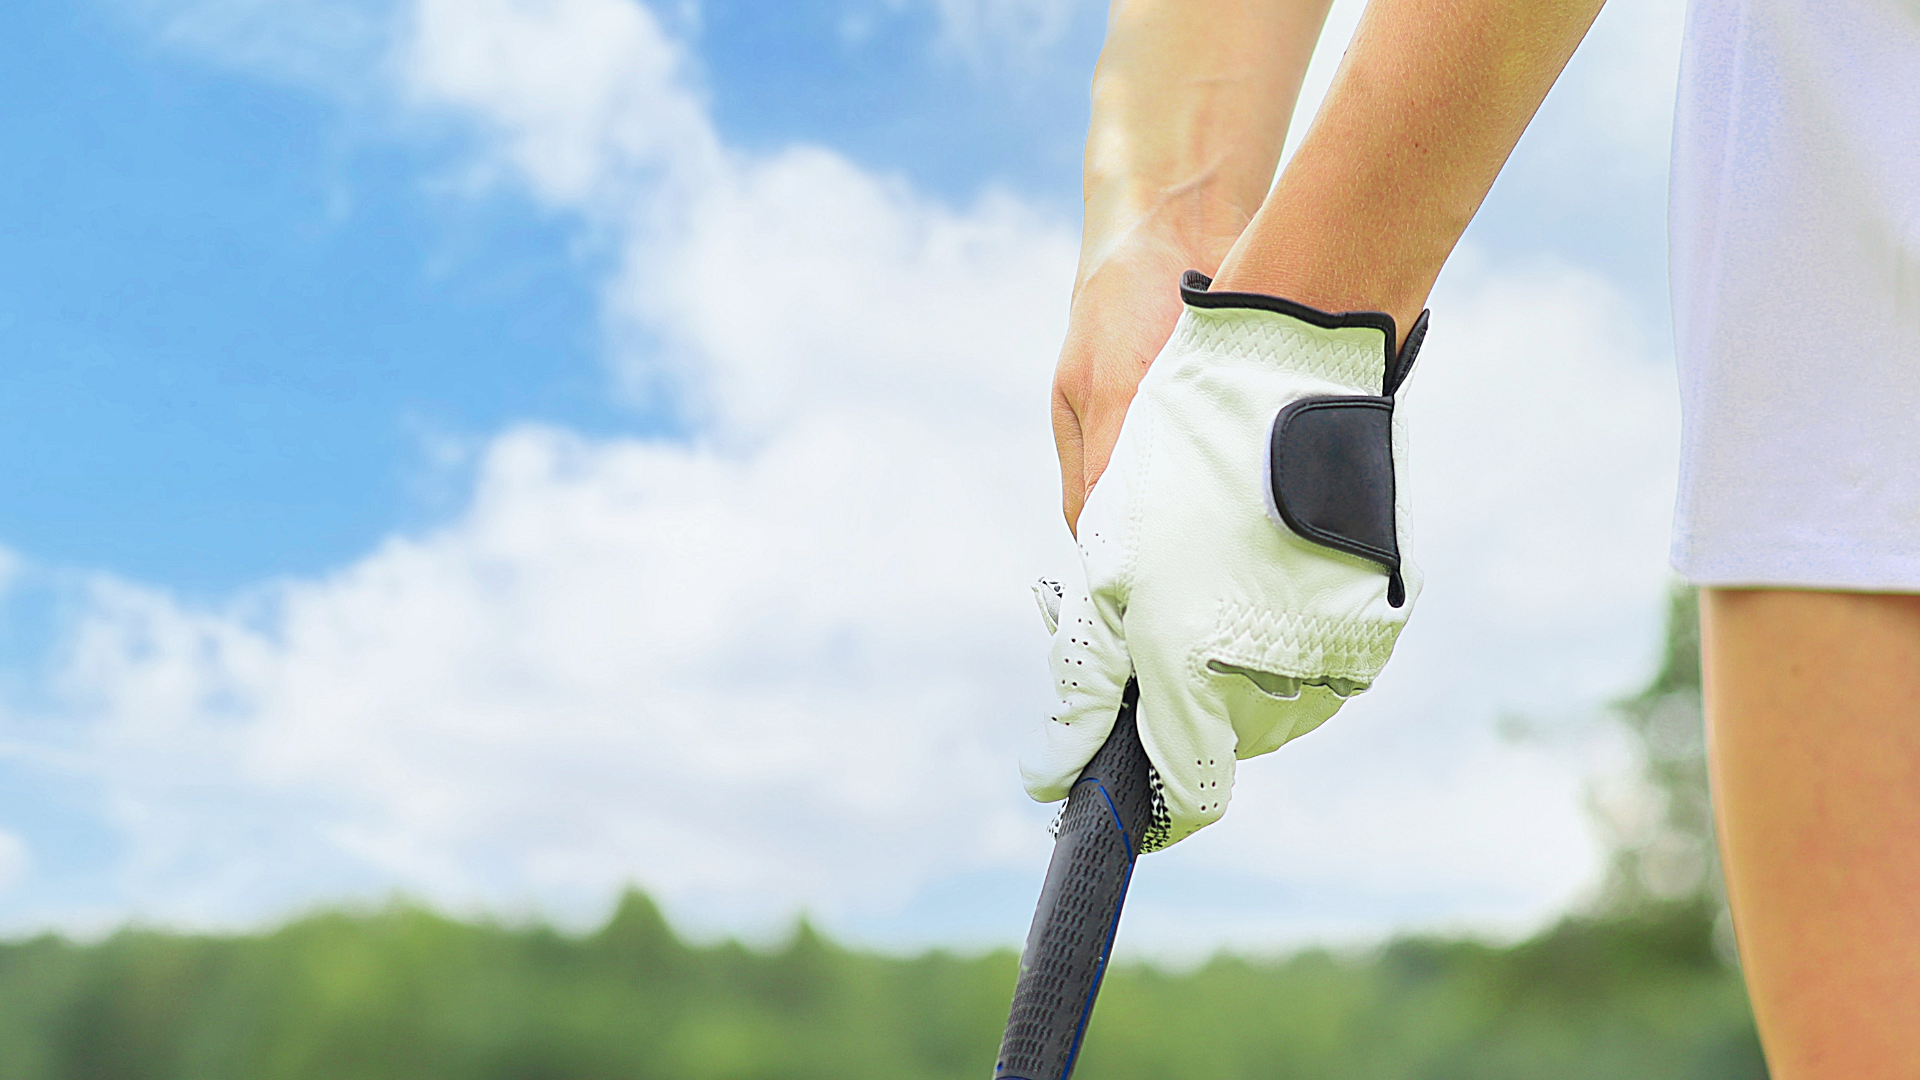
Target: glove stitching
column 1290, row 345
column 1301, row 646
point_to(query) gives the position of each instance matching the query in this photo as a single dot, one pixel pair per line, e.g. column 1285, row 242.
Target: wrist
column 1328, row 279
column 1316, row 244
column 1168, row 227
column 1191, row 211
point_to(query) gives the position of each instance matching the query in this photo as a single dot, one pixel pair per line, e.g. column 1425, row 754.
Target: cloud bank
column 782, row 659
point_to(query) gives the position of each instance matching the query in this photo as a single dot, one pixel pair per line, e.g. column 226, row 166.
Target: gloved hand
column 1241, row 552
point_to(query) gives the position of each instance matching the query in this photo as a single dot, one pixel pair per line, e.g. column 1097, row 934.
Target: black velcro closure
column 1332, row 468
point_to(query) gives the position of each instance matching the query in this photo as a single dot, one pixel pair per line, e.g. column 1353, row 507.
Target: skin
column 1190, row 108
column 1425, row 109
column 1813, row 723
column 1813, row 699
column 1191, row 101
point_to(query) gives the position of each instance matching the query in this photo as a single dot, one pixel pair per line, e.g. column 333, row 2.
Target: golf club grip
column 1107, row 811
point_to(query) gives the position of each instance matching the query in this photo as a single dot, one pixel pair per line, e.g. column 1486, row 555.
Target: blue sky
column 234, row 324
column 338, row 365
column 246, row 326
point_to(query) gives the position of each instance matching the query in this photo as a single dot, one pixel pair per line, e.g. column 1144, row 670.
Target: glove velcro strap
column 1331, row 467
column 1309, row 647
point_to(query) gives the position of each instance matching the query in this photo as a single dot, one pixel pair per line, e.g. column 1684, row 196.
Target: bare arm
column 1190, row 109
column 1426, row 107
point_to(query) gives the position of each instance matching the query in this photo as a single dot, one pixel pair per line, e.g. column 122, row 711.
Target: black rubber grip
column 1107, row 811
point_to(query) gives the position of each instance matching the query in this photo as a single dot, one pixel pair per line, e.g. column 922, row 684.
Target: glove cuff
column 1354, row 349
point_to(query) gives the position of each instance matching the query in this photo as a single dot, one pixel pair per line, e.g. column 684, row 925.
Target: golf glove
column 1241, row 555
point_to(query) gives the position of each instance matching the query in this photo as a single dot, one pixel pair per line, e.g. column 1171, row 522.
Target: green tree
column 1659, row 828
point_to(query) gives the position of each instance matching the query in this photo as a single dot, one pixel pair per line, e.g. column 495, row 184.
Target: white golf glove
column 1241, row 553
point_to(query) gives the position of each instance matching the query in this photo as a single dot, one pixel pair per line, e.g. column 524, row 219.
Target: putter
column 1071, row 940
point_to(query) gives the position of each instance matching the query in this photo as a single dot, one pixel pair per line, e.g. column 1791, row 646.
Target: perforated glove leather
column 1241, row 555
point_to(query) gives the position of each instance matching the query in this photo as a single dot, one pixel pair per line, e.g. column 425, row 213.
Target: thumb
column 1090, row 669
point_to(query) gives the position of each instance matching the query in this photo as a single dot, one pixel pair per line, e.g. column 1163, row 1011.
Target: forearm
column 1191, row 101
column 1426, row 107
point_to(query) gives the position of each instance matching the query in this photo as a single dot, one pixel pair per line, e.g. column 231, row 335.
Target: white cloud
column 786, row 660
column 9, row 569
column 1017, row 27
column 338, row 46
column 777, row 665
column 1612, row 118
column 15, row 860
column 585, row 102
column 720, row 676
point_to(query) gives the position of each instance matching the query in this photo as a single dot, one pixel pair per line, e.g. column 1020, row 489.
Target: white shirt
column 1794, row 233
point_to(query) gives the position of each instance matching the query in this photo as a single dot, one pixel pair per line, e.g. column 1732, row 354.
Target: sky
column 493, row 452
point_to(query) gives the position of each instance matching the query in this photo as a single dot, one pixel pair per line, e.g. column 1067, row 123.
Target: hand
column 1241, row 554
column 1123, row 309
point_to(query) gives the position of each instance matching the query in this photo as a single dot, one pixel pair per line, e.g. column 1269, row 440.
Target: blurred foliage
column 1637, row 986
column 404, row 993
column 1659, row 825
